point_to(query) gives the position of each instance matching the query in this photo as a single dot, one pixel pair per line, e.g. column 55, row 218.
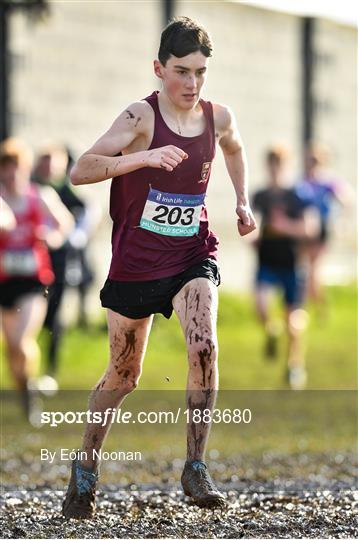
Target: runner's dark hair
column 183, row 36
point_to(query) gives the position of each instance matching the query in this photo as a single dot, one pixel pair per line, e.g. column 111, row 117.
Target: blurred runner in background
column 320, row 189
column 69, row 260
column 33, row 219
column 285, row 223
column 79, row 273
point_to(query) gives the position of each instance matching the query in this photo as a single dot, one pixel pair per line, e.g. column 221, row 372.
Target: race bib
column 19, row 263
column 172, row 214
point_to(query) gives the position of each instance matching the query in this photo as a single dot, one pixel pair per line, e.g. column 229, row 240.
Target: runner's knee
column 16, row 349
column 203, row 366
column 125, row 378
column 297, row 322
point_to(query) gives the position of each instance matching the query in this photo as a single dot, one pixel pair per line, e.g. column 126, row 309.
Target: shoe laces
column 85, row 481
column 204, row 476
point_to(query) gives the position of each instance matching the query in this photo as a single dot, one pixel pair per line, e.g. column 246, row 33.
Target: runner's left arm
column 343, row 192
column 7, row 217
column 235, row 159
column 56, row 213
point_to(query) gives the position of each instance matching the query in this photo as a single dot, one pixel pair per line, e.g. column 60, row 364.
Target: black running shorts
column 139, row 299
column 12, row 290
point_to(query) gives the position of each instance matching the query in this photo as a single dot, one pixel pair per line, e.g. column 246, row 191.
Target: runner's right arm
column 304, row 227
column 102, row 162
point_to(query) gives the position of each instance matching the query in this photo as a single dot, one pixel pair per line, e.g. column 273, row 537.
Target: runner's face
column 183, row 78
column 275, row 168
column 15, row 177
column 43, row 168
column 8, row 175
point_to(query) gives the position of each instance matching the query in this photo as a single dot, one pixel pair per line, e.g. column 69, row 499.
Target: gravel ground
column 315, row 506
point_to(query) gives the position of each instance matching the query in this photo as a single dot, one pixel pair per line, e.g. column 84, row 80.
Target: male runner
column 285, row 224
column 159, row 153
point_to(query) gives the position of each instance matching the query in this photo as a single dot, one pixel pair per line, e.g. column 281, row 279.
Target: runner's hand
column 166, row 157
column 279, row 222
column 246, row 222
column 52, row 237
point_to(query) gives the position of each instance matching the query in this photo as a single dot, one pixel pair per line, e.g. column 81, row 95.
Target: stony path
column 271, row 496
column 290, row 510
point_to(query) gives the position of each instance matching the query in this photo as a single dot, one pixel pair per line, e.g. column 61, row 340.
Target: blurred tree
column 36, row 9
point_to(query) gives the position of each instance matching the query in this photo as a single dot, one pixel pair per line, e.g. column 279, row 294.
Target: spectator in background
column 285, row 223
column 68, row 260
column 32, row 219
column 319, row 189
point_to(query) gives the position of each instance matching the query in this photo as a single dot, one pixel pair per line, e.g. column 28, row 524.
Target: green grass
column 287, row 422
column 331, row 350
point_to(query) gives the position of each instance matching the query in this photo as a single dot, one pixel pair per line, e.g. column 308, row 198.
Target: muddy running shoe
column 197, row 483
column 80, row 500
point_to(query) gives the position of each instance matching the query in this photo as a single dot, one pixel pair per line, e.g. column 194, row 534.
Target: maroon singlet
column 139, row 254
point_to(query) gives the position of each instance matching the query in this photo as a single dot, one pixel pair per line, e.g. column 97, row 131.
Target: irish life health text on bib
column 172, row 214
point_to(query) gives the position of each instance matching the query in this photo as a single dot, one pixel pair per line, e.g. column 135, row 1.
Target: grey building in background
column 73, row 72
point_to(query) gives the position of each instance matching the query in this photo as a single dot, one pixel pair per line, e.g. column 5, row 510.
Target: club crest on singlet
column 172, row 214
column 205, row 170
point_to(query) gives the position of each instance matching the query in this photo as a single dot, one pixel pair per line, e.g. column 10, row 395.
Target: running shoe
column 297, row 377
column 271, row 346
column 31, row 403
column 47, row 385
column 80, row 501
column 197, row 483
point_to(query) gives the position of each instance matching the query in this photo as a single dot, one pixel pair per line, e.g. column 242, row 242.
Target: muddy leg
column 128, row 340
column 196, row 306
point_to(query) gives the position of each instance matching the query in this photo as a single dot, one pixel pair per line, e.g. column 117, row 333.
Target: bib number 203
column 174, row 215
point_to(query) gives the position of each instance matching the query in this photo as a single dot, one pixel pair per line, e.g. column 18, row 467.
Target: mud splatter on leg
column 196, row 308
column 127, row 348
